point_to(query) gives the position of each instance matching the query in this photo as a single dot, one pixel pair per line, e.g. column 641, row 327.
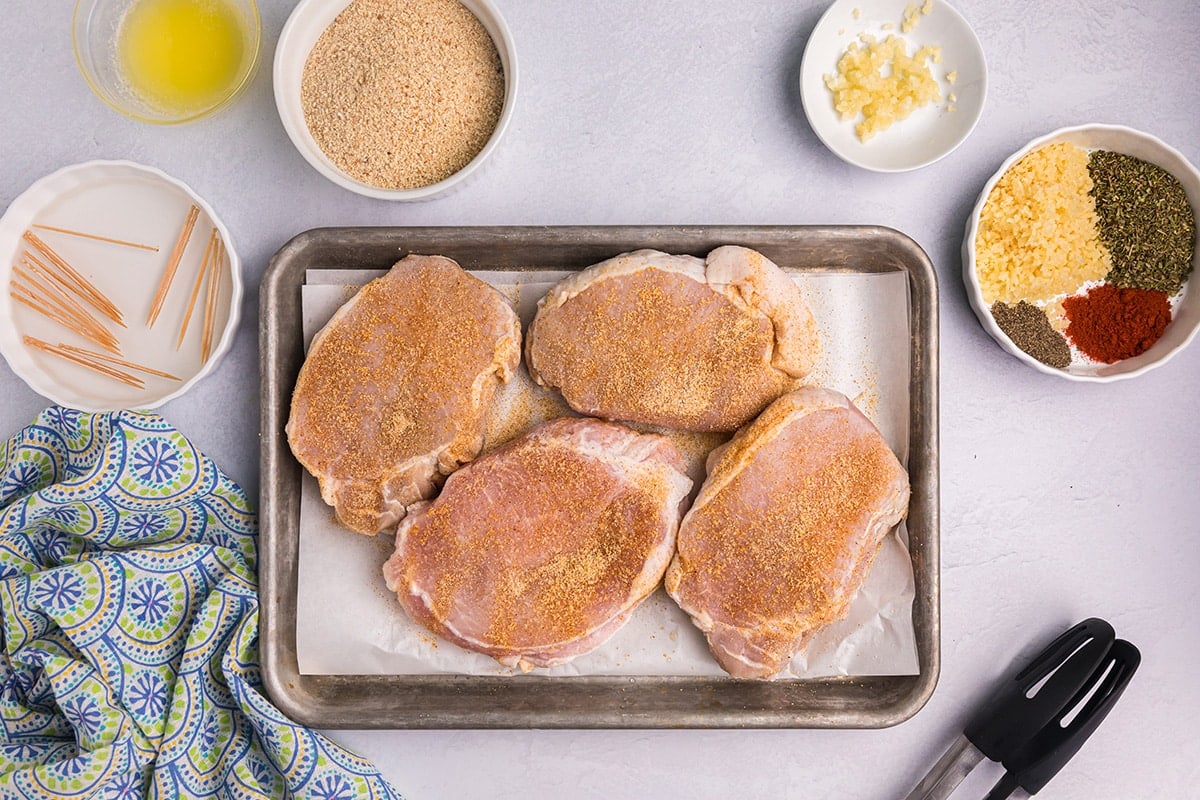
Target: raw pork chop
column 540, row 550
column 673, row 340
column 785, row 529
column 394, row 390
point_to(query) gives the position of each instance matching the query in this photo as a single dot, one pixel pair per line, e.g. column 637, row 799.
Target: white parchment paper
column 348, row 623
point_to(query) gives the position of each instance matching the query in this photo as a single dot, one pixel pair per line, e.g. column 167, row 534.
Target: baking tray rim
column 402, row 701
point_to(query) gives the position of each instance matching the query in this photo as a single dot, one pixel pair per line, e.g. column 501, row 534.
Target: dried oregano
column 1145, row 221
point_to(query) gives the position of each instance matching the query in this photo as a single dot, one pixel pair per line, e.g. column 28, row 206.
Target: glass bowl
column 95, row 36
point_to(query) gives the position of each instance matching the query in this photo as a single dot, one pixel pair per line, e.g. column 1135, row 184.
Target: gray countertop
column 1059, row 500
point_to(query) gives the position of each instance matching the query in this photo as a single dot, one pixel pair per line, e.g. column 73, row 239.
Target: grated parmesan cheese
column 1037, row 236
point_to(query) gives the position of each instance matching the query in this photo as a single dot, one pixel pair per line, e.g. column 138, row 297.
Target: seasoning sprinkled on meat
column 673, row 340
column 540, row 550
column 393, row 393
column 785, row 528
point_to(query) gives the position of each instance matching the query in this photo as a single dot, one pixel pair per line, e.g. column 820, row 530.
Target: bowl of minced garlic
column 892, row 85
column 1079, row 253
column 395, row 99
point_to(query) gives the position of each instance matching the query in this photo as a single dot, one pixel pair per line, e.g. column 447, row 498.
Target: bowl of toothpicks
column 122, row 287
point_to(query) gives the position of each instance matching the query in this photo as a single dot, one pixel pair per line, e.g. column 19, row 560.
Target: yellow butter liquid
column 181, row 55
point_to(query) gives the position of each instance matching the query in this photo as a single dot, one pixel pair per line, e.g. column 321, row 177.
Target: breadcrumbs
column 403, row 93
column 1037, row 235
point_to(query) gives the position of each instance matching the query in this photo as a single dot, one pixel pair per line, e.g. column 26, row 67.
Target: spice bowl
column 119, row 50
column 1184, row 304
column 308, row 21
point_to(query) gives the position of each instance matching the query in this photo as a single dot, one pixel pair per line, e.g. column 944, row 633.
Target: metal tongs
column 1040, row 719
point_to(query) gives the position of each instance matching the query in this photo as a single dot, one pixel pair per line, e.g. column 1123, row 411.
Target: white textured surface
column 1059, row 501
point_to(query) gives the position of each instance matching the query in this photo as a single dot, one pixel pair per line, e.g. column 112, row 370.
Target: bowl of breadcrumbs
column 395, row 99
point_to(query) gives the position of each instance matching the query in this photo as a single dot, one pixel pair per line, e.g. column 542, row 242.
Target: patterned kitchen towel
column 129, row 625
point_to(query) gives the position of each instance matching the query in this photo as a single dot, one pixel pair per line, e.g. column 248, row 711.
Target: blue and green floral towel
column 129, row 625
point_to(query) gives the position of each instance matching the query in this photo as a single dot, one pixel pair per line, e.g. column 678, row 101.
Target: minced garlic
column 881, row 81
column 912, row 13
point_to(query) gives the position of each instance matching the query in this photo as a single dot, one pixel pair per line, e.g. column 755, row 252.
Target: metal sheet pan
column 463, row 701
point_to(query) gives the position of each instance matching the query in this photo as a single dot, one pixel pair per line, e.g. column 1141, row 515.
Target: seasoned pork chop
column 673, row 340
column 540, row 550
column 785, row 529
column 393, row 394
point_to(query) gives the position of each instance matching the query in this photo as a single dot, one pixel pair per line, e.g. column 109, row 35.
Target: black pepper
column 1029, row 329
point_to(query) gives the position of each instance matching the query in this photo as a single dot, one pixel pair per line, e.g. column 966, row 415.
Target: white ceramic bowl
column 305, row 25
column 930, row 133
column 133, row 203
column 1185, row 320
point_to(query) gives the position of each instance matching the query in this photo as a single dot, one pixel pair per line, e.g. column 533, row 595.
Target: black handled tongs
column 1040, row 719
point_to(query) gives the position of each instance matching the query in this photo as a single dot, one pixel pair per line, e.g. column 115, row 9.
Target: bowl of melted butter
column 166, row 61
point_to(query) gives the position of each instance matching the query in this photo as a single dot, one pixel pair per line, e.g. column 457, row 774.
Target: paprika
column 1111, row 323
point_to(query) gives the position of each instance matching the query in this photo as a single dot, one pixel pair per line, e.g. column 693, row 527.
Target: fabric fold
column 129, row 617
